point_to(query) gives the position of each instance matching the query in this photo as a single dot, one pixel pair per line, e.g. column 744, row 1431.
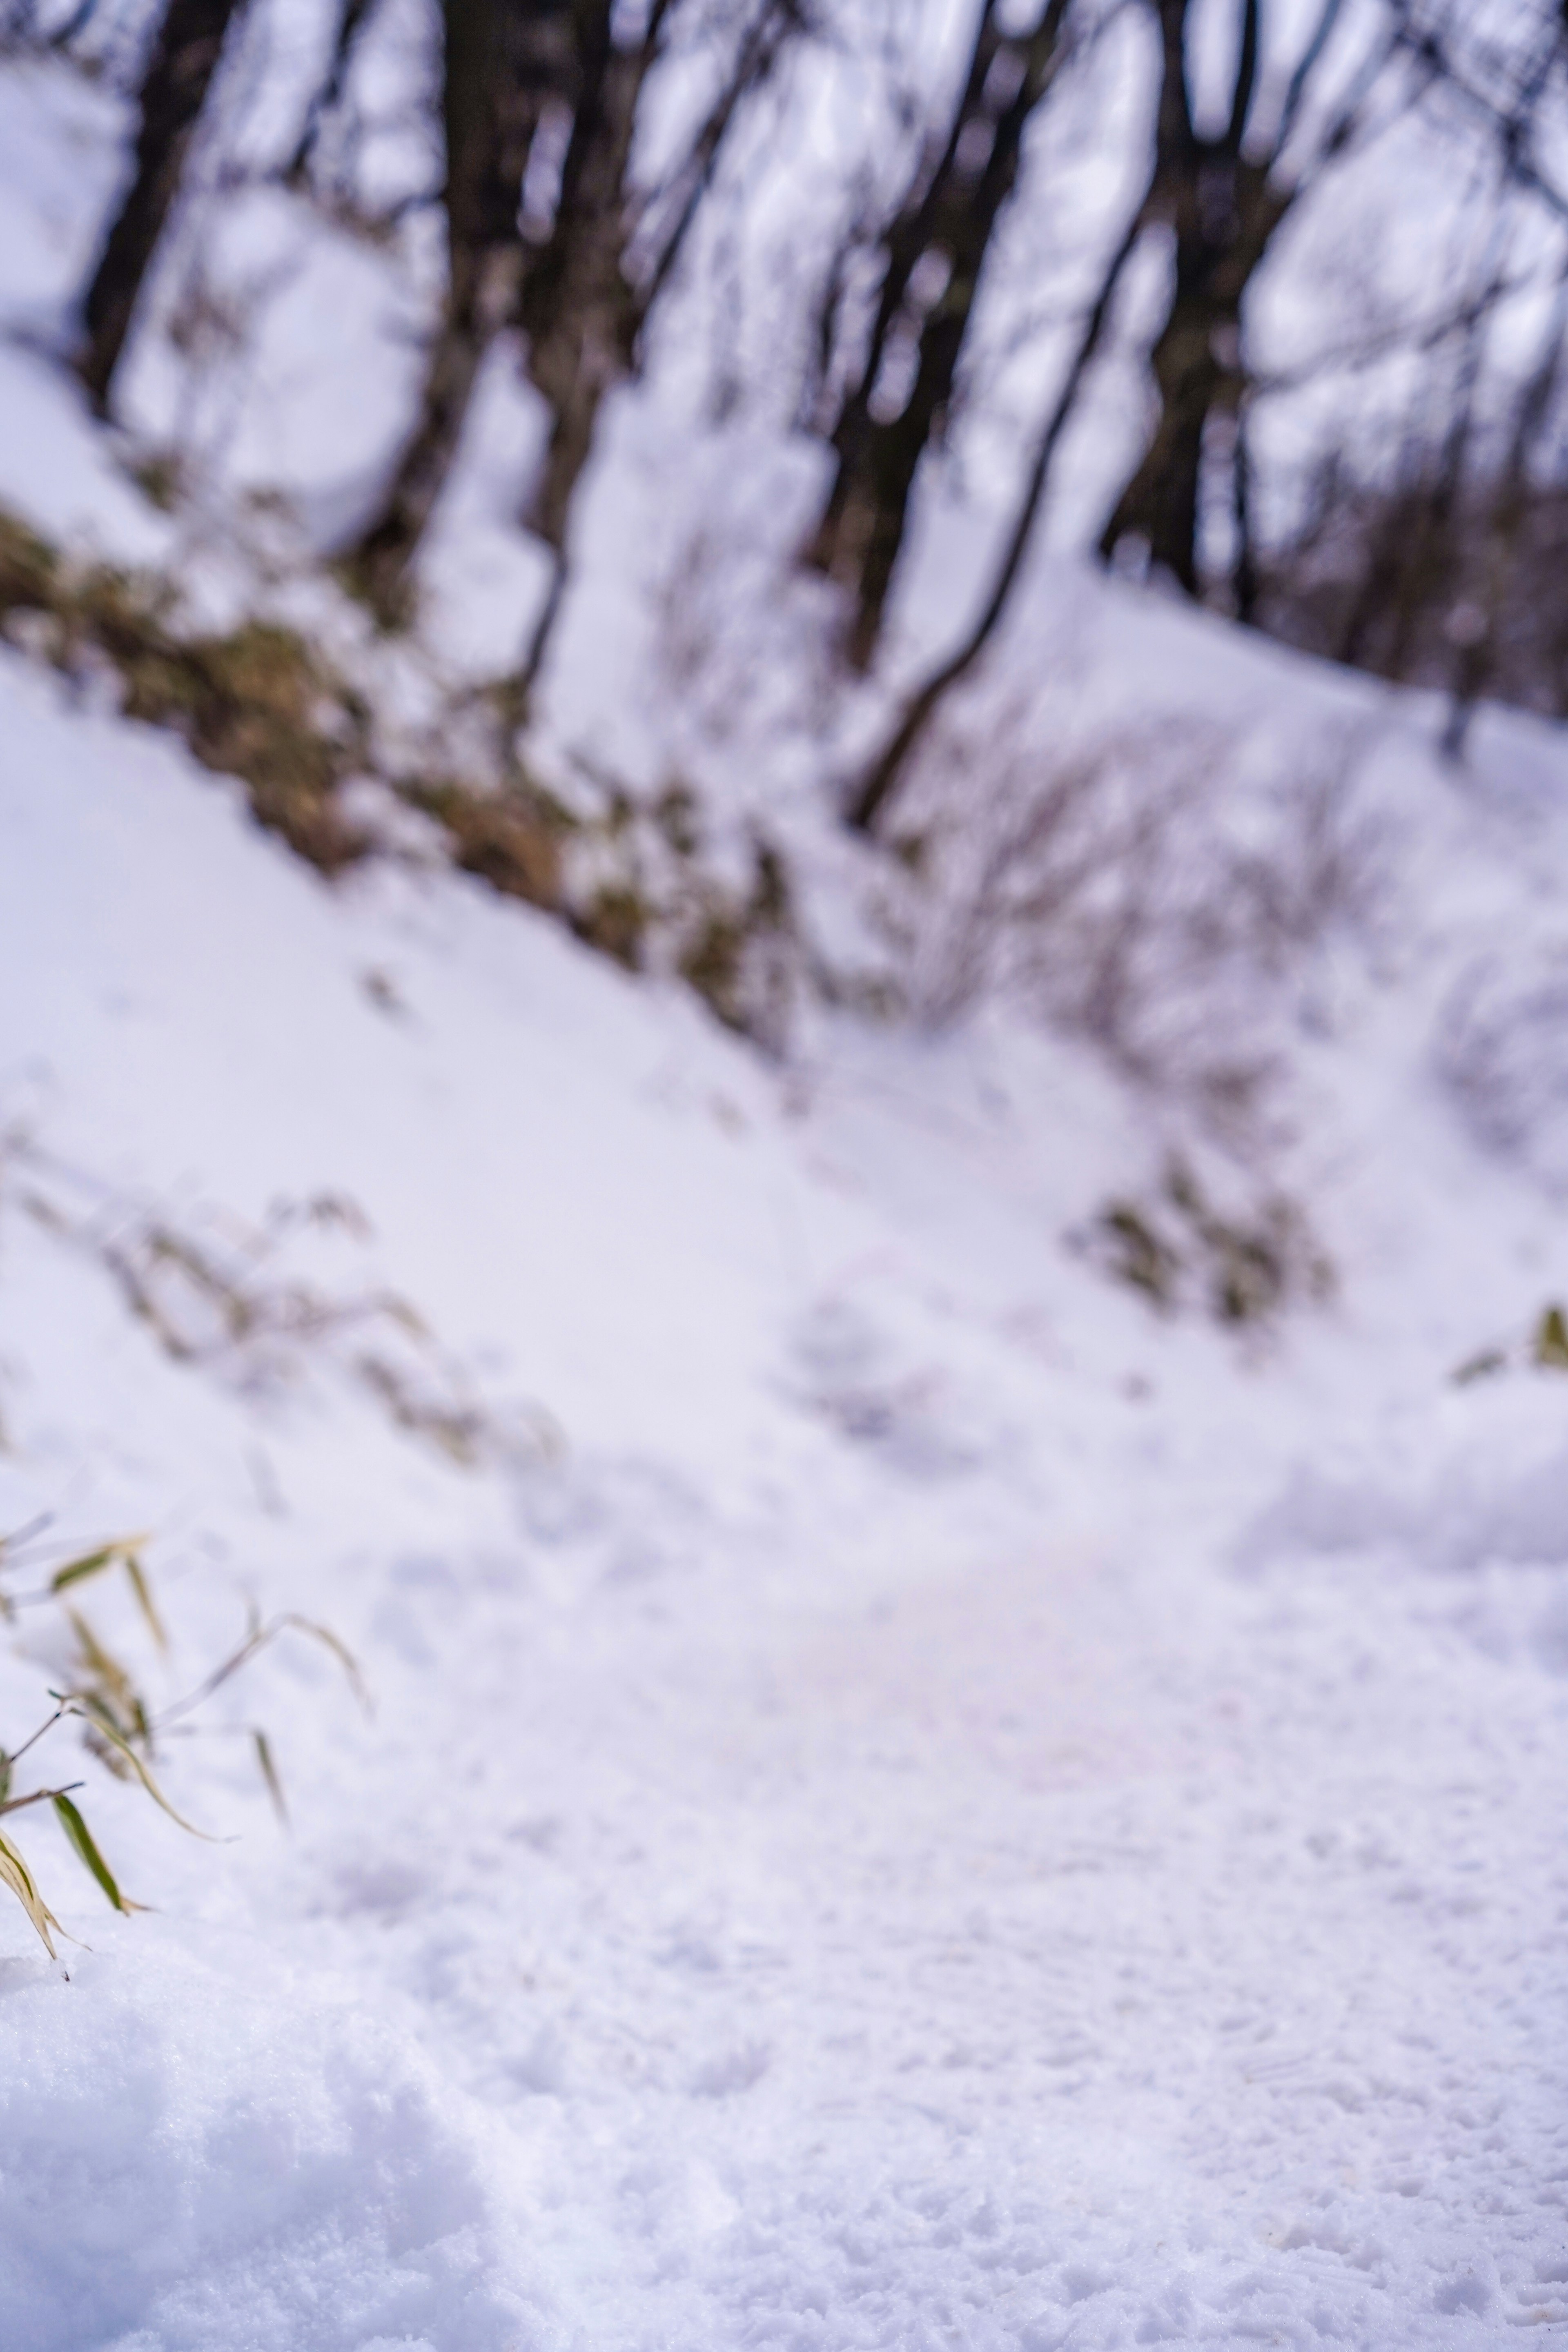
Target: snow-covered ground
column 911, row 1801
column 939, row 1809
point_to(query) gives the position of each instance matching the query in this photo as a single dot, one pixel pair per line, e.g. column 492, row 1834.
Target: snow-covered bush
column 1503, row 1052
column 1140, row 886
column 1182, row 1248
column 262, row 1306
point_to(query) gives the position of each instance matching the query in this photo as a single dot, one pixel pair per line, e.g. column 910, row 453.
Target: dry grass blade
column 97, row 1718
column 339, row 1650
column 113, row 1694
column 118, row 1726
column 269, row 1774
column 144, row 1599
column 258, row 1636
column 1550, row 1347
column 16, row 1875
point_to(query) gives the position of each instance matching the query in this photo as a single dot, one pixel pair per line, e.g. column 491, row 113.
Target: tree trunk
column 477, row 303
column 1227, row 210
column 504, row 63
column 1223, row 210
column 329, row 95
column 1195, row 364
column 586, row 302
column 578, row 311
column 868, row 805
column 173, row 93
column 945, row 228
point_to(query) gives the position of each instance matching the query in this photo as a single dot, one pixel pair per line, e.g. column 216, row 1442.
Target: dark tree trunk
column 945, row 229
column 867, row 805
column 1475, row 654
column 504, row 65
column 328, row 96
column 1227, row 207
column 586, row 301
column 1195, row 362
column 579, row 304
column 1224, row 206
column 173, row 93
column 579, row 311
column 1223, row 209
column 1431, row 557
column 1245, row 579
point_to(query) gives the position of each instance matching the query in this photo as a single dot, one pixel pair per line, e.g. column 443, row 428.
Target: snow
column 911, row 1801
column 889, row 1838
column 236, row 2154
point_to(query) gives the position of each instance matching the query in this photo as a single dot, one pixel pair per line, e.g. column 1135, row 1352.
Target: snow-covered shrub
column 1139, row 887
column 1544, row 1348
column 262, row 1307
column 258, row 702
column 1503, row 1051
column 649, row 880
column 1241, row 1262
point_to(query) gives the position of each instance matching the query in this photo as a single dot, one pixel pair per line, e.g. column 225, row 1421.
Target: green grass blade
column 81, row 1840
column 76, row 1571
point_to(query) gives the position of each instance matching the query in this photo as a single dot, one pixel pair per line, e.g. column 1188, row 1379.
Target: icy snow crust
column 941, row 1811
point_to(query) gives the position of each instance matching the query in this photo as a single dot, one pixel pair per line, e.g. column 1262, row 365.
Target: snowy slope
column 911, row 1801
column 945, row 1810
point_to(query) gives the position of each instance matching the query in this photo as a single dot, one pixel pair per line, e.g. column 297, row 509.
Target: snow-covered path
column 951, row 1814
column 1001, row 1957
